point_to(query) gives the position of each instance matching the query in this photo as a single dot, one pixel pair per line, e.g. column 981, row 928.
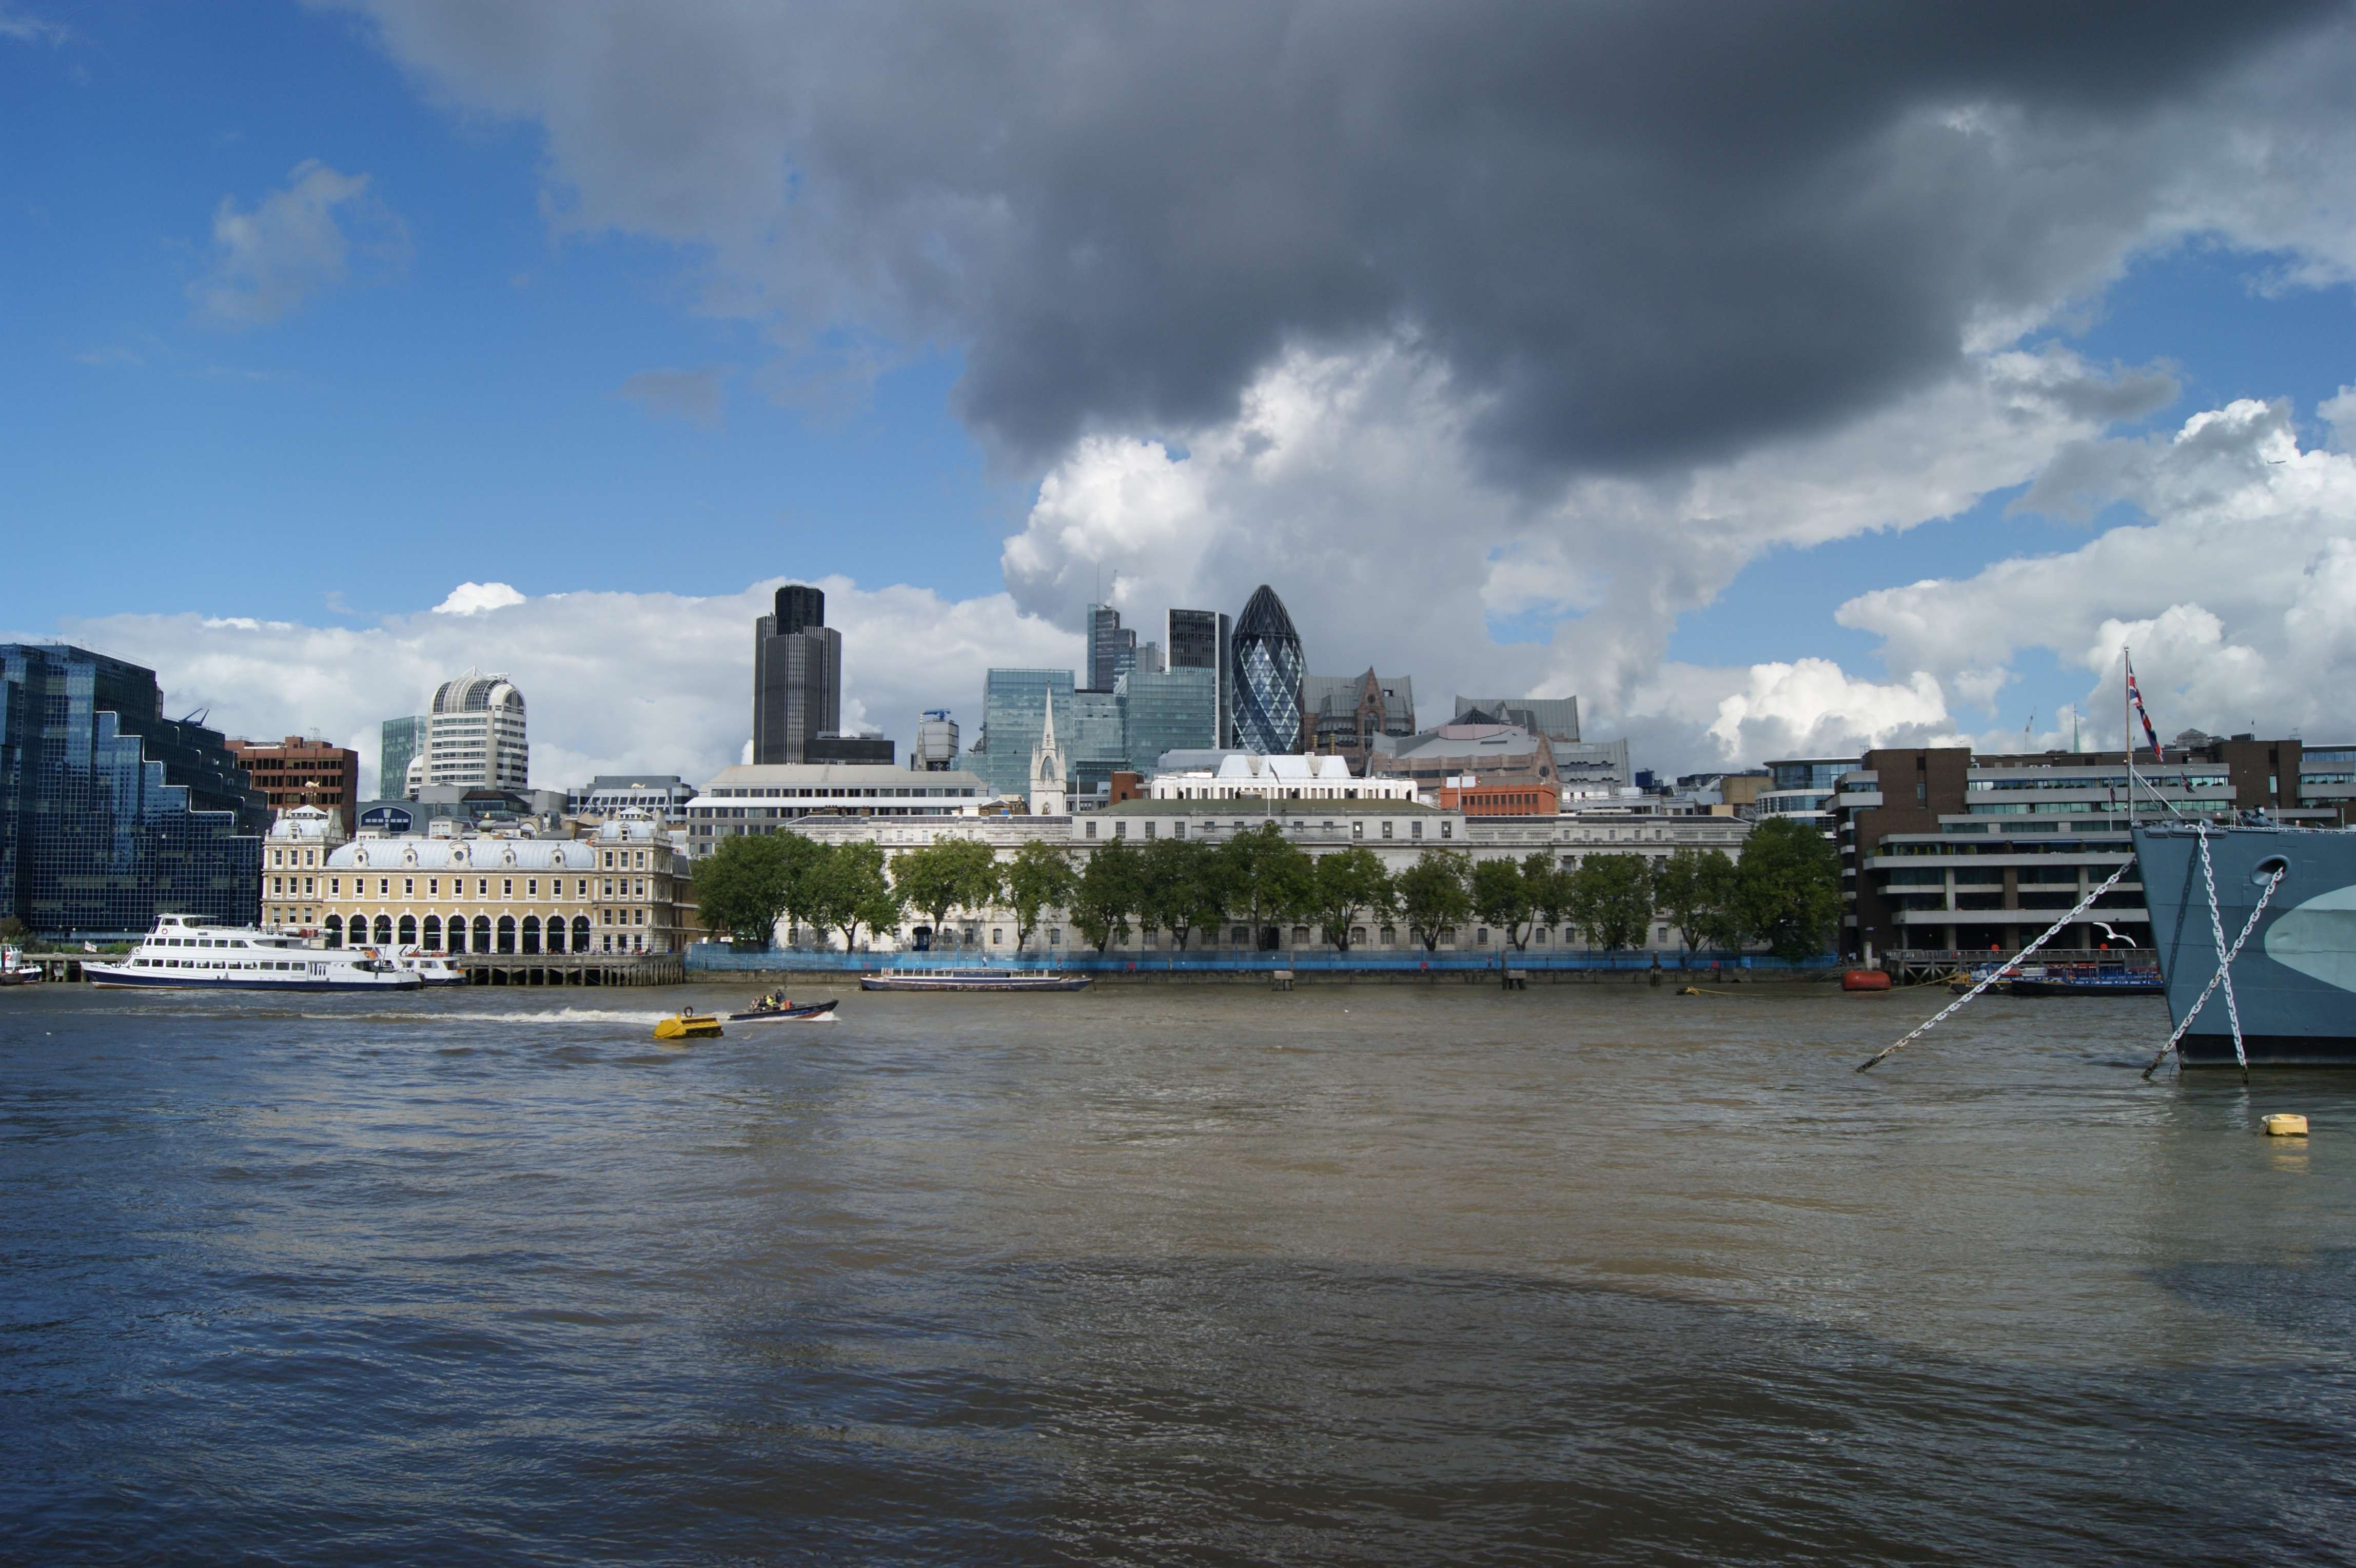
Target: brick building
column 300, row 772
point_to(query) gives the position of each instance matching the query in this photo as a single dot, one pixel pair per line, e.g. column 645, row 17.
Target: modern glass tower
column 797, row 677
column 110, row 813
column 400, row 740
column 1168, row 709
column 1014, row 710
column 1268, row 671
column 1200, row 639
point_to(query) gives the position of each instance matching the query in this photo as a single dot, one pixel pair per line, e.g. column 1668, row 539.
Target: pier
column 570, row 969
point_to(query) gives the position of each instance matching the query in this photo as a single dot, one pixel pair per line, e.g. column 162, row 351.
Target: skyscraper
column 111, row 813
column 797, row 677
column 400, row 740
column 1267, row 666
column 1112, row 648
column 474, row 734
column 1198, row 640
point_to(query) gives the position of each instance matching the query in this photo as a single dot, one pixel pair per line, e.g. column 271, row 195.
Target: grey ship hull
column 2296, row 978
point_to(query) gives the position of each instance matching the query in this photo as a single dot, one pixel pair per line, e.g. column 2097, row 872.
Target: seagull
column 2111, row 934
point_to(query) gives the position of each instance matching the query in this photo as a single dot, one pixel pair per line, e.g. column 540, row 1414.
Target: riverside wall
column 710, row 961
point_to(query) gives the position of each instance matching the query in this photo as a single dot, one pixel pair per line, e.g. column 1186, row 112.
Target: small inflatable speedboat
column 804, row 1010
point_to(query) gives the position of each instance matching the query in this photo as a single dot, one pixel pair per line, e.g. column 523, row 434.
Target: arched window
column 531, row 934
column 335, row 930
column 457, row 933
column 579, row 933
column 507, row 933
column 407, row 930
column 556, row 933
column 482, row 933
column 433, row 933
column 384, row 928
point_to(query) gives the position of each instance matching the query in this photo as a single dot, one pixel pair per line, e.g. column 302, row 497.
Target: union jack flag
column 2135, row 700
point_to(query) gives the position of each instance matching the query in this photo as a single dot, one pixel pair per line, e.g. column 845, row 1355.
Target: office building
column 796, row 678
column 1346, row 713
column 1803, row 788
column 1245, row 775
column 111, row 813
column 854, row 750
column 1495, row 755
column 1557, row 718
column 936, row 747
column 1943, row 851
column 294, row 866
column 1269, row 667
column 626, row 889
column 1014, row 711
column 303, row 771
column 1168, row 709
column 763, row 798
column 1202, row 639
column 1111, row 648
column 662, row 796
column 475, row 734
column 399, row 743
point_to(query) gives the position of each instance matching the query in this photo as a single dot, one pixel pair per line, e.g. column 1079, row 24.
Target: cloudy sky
column 1775, row 379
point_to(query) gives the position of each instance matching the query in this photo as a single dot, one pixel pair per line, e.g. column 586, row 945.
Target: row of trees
column 1784, row 890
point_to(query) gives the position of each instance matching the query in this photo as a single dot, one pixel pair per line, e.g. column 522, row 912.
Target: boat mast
column 2126, row 725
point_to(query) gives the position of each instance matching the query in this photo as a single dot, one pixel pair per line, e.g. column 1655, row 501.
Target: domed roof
column 1264, row 615
column 474, row 691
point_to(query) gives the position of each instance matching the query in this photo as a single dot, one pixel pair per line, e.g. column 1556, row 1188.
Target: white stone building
column 1246, row 777
column 475, row 734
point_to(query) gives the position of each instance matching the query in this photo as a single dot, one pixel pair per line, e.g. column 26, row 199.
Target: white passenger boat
column 184, row 953
column 14, row 970
column 432, row 968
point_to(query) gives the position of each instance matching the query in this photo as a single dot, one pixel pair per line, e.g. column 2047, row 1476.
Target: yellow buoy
column 688, row 1026
column 2286, row 1126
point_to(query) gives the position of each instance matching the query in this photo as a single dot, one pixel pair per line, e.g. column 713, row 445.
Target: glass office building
column 1269, row 669
column 1202, row 639
column 1170, row 710
column 1014, row 710
column 398, row 741
column 111, row 813
column 1094, row 742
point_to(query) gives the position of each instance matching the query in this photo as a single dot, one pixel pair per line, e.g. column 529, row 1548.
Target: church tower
column 1048, row 798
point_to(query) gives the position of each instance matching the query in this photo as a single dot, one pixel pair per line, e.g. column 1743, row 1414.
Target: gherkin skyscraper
column 1268, row 671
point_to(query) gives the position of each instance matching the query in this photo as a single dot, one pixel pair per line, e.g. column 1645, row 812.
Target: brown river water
column 1163, row 1275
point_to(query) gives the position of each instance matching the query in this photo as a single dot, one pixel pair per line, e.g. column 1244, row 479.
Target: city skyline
column 1932, row 509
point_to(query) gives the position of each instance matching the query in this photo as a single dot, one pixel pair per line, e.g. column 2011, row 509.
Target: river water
column 1163, row 1276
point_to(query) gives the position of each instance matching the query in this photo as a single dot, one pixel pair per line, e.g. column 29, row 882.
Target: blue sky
column 612, row 316
column 458, row 417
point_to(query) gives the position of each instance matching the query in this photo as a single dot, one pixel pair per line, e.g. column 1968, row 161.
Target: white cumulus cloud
column 473, row 598
column 615, row 683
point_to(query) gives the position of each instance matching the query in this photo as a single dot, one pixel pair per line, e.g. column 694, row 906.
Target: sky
column 1776, row 381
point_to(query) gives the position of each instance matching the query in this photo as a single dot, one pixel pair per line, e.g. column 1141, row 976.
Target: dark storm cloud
column 1637, row 232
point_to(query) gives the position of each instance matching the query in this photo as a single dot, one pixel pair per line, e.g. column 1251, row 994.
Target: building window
column 408, row 887
column 1055, row 936
column 1120, row 830
column 385, row 887
column 1447, row 830
column 1386, row 830
column 531, row 889
column 1357, row 830
column 1414, row 830
column 434, row 886
column 997, row 935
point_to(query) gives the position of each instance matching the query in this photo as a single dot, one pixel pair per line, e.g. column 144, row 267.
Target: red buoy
column 1865, row 980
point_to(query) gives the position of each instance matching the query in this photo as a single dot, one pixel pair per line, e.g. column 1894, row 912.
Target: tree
column 1696, row 887
column 1039, row 877
column 12, row 929
column 960, row 874
column 1180, row 887
column 744, row 886
column 1502, row 897
column 1549, row 888
column 850, row 889
column 1267, row 877
column 799, row 861
column 1346, row 886
column 1109, row 890
column 1434, row 894
column 1787, row 888
column 1611, row 900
